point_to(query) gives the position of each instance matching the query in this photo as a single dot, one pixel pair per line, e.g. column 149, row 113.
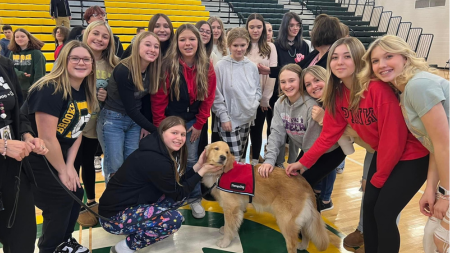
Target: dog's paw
column 303, row 245
column 222, row 230
column 223, row 243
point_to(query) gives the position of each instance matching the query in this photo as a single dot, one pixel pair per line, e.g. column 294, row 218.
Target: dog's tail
column 315, row 227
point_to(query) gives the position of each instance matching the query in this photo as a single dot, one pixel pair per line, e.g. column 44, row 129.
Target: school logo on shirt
column 22, row 60
column 294, row 126
column 365, row 116
column 74, row 119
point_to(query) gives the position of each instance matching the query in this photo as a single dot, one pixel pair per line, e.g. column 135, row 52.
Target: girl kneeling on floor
column 152, row 181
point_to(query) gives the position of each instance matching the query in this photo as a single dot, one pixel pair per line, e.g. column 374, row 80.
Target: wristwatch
column 443, row 191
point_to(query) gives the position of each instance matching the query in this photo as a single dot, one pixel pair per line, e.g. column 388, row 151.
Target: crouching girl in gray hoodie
column 293, row 117
column 238, row 93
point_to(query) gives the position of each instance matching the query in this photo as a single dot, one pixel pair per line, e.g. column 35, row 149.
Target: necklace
column 145, row 75
column 2, row 111
column 295, row 53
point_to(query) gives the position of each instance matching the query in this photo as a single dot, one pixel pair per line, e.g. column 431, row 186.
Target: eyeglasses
column 204, row 31
column 76, row 60
column 295, row 26
column 101, row 15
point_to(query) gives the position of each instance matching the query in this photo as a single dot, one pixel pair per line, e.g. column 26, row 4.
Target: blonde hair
column 107, row 54
column 297, row 70
column 133, row 63
column 171, row 65
column 59, row 77
column 237, row 33
column 334, row 88
column 396, row 45
column 221, row 41
column 316, row 71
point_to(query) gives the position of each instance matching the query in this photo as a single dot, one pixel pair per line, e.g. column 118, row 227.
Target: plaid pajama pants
column 236, row 139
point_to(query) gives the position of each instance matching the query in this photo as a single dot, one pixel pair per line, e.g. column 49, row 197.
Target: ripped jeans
column 118, row 135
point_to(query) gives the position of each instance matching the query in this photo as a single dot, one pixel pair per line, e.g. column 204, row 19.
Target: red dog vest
column 239, row 180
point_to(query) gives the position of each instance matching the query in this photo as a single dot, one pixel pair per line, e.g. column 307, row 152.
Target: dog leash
column 118, row 222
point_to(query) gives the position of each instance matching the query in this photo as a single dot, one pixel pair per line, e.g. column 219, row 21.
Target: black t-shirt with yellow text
column 72, row 113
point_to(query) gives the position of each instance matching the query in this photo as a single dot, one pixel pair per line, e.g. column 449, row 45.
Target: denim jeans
column 118, row 135
column 192, row 158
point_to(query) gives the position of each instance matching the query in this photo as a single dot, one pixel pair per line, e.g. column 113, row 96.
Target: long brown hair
column 263, row 46
column 181, row 154
column 133, row 63
column 171, row 65
column 210, row 44
column 221, row 41
column 33, row 42
column 334, row 88
column 151, row 26
column 59, row 77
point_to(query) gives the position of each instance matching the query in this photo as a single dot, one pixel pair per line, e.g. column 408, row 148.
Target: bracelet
column 442, row 196
column 443, row 191
column 6, row 145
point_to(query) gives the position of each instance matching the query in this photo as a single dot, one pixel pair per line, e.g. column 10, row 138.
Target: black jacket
column 20, row 124
column 182, row 108
column 54, row 8
column 144, row 177
column 309, row 58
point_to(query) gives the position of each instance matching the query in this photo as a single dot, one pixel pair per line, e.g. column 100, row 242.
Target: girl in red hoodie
column 189, row 91
column 400, row 163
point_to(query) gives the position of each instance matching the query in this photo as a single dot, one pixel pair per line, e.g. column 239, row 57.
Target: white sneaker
column 197, row 210
column 98, row 163
column 71, row 246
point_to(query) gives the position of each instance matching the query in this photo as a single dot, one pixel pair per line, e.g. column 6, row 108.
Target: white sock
column 122, row 247
column 255, row 161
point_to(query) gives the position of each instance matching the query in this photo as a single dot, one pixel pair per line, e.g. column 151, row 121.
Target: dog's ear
column 230, row 161
column 207, row 150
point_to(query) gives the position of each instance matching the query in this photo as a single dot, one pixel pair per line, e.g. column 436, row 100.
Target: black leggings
column 382, row 205
column 256, row 134
column 203, row 142
column 59, row 210
column 326, row 164
column 22, row 235
column 85, row 159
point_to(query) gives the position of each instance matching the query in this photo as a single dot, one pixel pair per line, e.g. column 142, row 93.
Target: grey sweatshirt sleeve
column 258, row 86
column 312, row 131
column 219, row 106
column 277, row 135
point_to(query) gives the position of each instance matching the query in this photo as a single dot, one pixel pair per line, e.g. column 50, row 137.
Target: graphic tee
column 8, row 100
column 72, row 113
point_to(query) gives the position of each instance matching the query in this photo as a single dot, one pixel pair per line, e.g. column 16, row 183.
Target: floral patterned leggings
column 149, row 232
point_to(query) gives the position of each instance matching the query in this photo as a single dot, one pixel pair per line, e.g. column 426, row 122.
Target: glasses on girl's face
column 99, row 15
column 204, row 31
column 76, row 60
column 292, row 26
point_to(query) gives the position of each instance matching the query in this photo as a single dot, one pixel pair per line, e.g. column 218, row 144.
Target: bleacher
column 124, row 16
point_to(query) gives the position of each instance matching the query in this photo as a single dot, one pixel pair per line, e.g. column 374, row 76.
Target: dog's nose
column 222, row 157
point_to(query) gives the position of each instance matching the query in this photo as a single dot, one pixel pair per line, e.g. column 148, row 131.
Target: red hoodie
column 160, row 100
column 379, row 123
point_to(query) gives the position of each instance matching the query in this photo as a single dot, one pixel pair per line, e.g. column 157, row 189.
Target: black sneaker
column 71, row 246
column 326, row 207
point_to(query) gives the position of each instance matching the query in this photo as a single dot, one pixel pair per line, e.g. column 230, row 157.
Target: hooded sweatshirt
column 30, row 61
column 238, row 91
column 295, row 121
column 4, row 47
column 144, row 177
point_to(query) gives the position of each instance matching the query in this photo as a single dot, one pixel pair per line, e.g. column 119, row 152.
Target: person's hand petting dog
column 265, row 169
column 293, row 168
column 203, row 168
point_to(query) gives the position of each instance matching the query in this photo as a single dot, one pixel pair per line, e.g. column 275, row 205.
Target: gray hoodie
column 294, row 120
column 238, row 91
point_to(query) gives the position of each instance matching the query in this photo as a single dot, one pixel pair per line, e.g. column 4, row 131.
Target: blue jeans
column 192, row 158
column 326, row 185
column 118, row 135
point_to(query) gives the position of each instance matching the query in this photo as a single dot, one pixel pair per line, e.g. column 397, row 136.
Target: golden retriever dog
column 290, row 199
